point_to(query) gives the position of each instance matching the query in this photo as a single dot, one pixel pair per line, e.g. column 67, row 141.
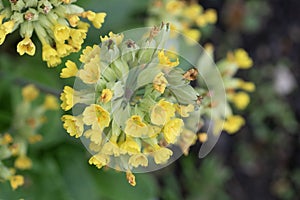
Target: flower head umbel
column 133, row 117
column 57, row 25
column 29, row 116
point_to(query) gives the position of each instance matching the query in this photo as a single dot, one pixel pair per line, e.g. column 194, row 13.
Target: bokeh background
column 259, row 162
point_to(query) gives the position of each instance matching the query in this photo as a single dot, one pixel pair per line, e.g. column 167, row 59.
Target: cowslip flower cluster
column 236, row 89
column 185, row 17
column 57, row 24
column 130, row 102
column 28, row 118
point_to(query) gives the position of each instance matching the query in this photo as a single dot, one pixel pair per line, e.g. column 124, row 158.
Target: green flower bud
column 44, row 6
column 17, row 6
column 31, row 15
column 26, row 29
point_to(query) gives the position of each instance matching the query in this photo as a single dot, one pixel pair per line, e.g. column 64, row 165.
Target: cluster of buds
column 131, row 101
column 185, row 17
column 28, row 118
column 56, row 23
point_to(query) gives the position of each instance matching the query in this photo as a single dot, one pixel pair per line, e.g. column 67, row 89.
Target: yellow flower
column 240, row 100
column 73, row 20
column 26, row 46
column 111, row 148
column 138, row 159
column 192, row 11
column 51, row 102
column 96, row 115
column 8, row 26
column 131, row 178
column 233, row 123
column 35, row 138
column 63, row 49
column 211, row 16
column 162, row 155
column 247, row 86
column 16, row 181
column 94, row 134
column 6, row 139
column 23, row 162
column 95, row 147
column 50, row 55
column 99, row 160
column 174, row 6
column 165, row 60
column 61, row 32
column 162, row 112
column 135, row 127
column 172, row 130
column 73, row 125
column 67, row 97
column 192, row 35
column 130, row 146
column 160, row 82
column 117, row 38
column 153, row 131
column 106, row 96
column 70, row 70
column 241, row 58
column 96, row 18
column 30, row 92
column 76, row 39
column 90, row 73
column 201, row 21
column 99, row 19
column 88, row 53
column 184, row 111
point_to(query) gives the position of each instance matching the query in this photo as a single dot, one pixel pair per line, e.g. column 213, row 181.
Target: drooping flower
column 138, row 159
column 135, row 127
column 161, row 155
column 233, row 123
column 30, row 92
column 184, row 110
column 67, row 98
column 50, row 102
column 16, row 181
column 131, row 146
column 23, row 162
column 240, row 99
column 73, row 125
column 26, row 46
column 172, row 130
column 96, row 115
column 162, row 112
column 160, row 82
column 99, row 160
column 70, row 70
column 241, row 58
